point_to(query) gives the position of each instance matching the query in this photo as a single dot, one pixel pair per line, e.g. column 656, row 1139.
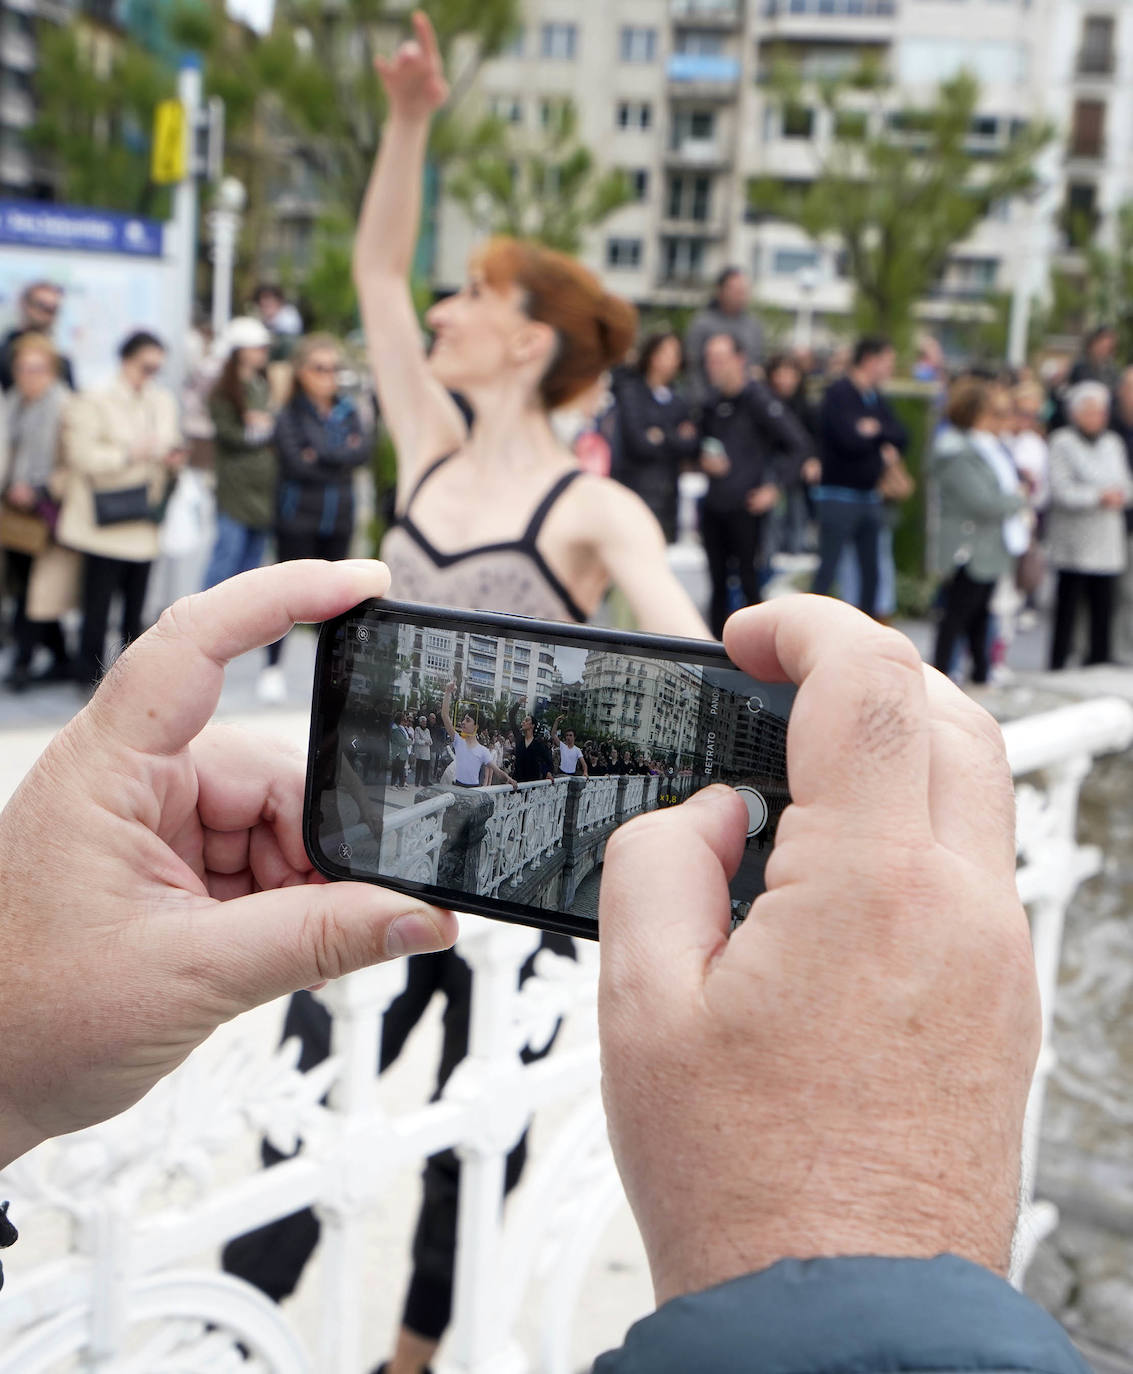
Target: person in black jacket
column 40, row 303
column 859, row 436
column 532, row 755
column 319, row 442
column 655, row 427
column 751, row 446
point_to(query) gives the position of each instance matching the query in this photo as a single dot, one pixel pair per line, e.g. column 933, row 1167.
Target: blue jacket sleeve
column 832, row 1316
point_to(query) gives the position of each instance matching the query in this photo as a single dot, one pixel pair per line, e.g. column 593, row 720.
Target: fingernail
column 413, row 933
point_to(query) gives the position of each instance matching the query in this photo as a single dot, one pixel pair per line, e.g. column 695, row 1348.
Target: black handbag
column 122, row 506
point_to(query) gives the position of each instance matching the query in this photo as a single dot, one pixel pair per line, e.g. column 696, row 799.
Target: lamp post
column 224, row 230
column 807, row 280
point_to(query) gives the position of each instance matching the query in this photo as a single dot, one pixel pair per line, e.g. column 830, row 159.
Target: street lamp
column 806, row 278
column 224, row 230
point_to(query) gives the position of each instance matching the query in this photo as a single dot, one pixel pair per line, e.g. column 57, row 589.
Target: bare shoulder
column 605, row 505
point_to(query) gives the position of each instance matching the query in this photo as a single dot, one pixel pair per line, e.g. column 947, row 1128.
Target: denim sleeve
column 851, row 1316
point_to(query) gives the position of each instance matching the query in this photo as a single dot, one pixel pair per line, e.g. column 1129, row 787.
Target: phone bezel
column 708, row 652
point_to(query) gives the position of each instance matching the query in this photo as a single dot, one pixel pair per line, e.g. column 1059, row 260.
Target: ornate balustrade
column 412, row 840
column 597, row 804
column 127, row 1294
column 525, row 830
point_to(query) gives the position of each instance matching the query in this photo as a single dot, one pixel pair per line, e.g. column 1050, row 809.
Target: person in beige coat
column 43, row 585
column 122, row 451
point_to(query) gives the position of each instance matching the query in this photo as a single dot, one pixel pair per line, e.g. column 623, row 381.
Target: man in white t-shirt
column 471, row 757
column 571, row 760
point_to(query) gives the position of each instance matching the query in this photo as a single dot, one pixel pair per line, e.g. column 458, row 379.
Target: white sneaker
column 271, row 687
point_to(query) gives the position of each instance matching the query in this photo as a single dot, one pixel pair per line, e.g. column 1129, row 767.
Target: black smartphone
column 482, row 761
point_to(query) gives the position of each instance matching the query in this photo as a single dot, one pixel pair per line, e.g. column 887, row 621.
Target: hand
column 890, row 455
column 308, row 455
column 153, row 881
column 869, row 426
column 847, row 1074
column 259, row 420
column 655, row 434
column 142, row 450
column 686, row 429
column 21, row 495
column 812, row 471
column 414, row 79
column 1114, row 498
column 176, row 458
column 715, row 464
column 559, row 720
column 355, row 441
column 762, row 499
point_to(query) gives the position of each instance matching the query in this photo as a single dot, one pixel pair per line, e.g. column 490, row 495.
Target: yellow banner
column 167, row 164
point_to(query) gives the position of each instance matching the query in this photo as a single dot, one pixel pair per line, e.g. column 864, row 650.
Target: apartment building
column 485, row 667
column 24, row 174
column 675, row 93
column 655, row 706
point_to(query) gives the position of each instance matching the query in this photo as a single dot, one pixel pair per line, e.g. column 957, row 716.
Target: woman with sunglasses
column 319, row 443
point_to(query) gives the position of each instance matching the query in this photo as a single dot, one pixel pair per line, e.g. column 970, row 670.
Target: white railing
column 412, row 840
column 598, row 805
column 141, row 1198
column 525, row 830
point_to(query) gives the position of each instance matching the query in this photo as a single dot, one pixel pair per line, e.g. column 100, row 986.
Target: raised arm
column 446, row 703
column 423, row 420
column 555, row 731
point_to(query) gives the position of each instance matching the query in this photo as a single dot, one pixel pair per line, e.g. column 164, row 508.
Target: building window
column 690, row 197
column 798, row 121
column 1087, row 132
column 553, row 112
column 785, row 262
column 559, row 42
column 623, row 253
column 634, row 114
column 972, row 276
column 637, row 44
column 1080, row 213
column 700, row 43
column 697, row 126
column 682, row 260
column 638, row 178
column 506, row 108
column 1095, row 57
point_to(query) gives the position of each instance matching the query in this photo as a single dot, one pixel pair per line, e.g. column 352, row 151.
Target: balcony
column 16, row 109
column 1095, row 64
column 698, row 76
column 17, row 51
column 710, row 227
column 706, row 14
column 1086, row 150
column 699, row 153
column 859, row 20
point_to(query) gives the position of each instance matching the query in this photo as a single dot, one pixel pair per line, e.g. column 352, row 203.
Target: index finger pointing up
column 163, row 690
column 859, row 733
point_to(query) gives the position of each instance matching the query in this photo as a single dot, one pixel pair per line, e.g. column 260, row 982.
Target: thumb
column 665, row 905
column 257, row 948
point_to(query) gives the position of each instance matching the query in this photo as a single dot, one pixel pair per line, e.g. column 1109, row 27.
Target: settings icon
column 362, row 633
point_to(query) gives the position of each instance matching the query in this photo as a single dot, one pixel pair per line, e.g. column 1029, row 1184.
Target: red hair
column 594, row 329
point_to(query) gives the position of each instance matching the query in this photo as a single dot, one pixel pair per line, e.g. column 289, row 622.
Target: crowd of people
column 87, row 478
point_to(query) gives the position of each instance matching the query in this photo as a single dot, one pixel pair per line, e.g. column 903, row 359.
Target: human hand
column 153, row 881
column 21, row 495
column 308, row 455
column 812, row 471
column 762, row 499
column 869, row 426
column 655, row 434
column 176, row 458
column 686, row 429
column 414, row 78
column 890, row 455
column 1114, row 498
column 847, row 1074
column 715, row 464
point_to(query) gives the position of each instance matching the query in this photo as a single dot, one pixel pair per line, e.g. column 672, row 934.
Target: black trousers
column 103, row 578
column 28, row 633
column 855, row 521
column 289, row 546
column 728, row 536
column 273, row 1258
column 967, row 614
column 1099, row 591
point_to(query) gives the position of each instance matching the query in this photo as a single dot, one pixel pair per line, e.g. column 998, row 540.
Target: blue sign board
column 40, row 224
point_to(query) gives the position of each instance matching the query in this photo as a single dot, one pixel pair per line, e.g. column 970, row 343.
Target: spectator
column 40, row 303
column 422, row 752
column 122, row 450
column 1090, row 489
column 440, row 745
column 532, row 758
column 751, row 446
column 401, row 736
column 1123, row 426
column 571, row 760
column 1028, row 441
column 859, row 436
column 929, row 366
column 982, row 529
column 786, row 380
column 318, row 445
column 277, row 315
column 1097, row 362
column 246, row 463
column 655, row 427
column 729, row 312
column 42, row 584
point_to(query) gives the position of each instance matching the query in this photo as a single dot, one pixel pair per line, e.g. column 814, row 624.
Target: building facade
column 675, row 93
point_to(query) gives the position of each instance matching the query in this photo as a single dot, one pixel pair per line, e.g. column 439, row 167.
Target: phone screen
column 484, row 761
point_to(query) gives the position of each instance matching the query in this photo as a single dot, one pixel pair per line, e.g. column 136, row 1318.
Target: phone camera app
column 754, row 705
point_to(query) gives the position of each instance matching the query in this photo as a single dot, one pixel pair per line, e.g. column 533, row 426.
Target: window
column 786, row 262
column 559, row 42
column 507, row 108
column 1095, row 57
column 553, row 112
column 690, row 197
column 1087, row 132
column 700, row 43
column 623, row 253
column 634, row 114
column 1080, row 213
column 798, row 121
column 682, row 259
column 972, row 276
column 436, row 661
column 637, row 44
column 638, row 178
column 697, row 126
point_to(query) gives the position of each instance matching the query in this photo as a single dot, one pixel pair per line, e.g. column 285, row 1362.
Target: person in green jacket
column 983, row 528
column 246, row 464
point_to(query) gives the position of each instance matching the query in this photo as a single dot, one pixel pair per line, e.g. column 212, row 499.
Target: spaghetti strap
column 420, row 482
column 543, row 509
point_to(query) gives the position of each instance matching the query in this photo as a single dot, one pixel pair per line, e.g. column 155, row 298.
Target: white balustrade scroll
column 143, row 1197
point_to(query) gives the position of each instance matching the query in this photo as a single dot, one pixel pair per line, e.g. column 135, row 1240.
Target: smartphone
column 482, row 761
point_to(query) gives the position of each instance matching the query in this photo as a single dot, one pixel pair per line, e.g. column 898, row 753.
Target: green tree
column 95, row 105
column 546, row 188
column 896, row 187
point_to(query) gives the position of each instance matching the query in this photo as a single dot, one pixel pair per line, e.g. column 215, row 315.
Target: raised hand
column 414, row 78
